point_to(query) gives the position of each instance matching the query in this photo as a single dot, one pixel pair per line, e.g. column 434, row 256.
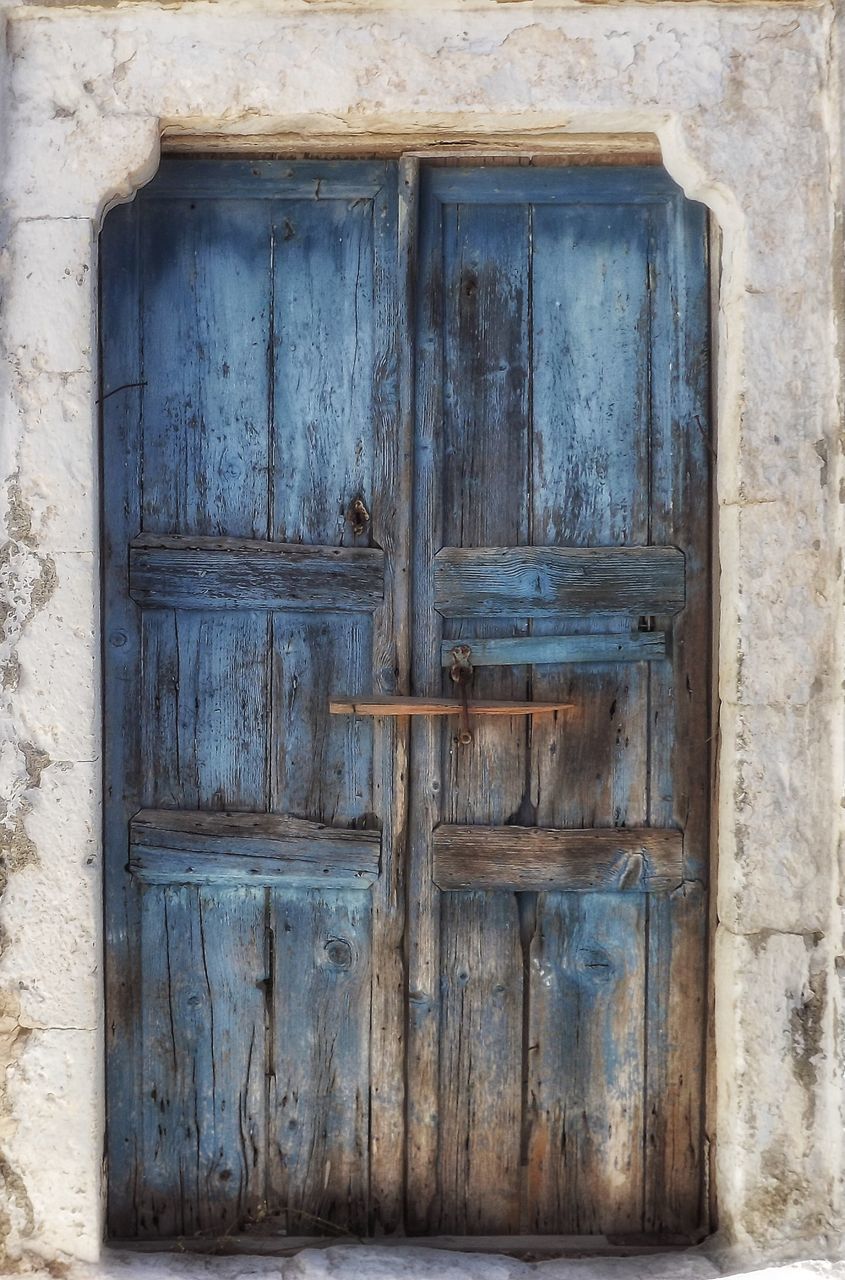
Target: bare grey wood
column 221, row 573
column 318, row 1168
column 590, row 489
column 536, row 859
column 638, row 646
column 540, row 582
column 202, row 1021
column 423, row 394
column 391, row 530
column 170, row 846
column 681, row 701
column 481, row 486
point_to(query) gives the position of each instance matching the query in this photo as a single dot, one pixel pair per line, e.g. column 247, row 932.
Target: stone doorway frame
column 743, row 101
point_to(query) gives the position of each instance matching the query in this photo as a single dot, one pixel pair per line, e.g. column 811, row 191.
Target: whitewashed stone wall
column 745, row 102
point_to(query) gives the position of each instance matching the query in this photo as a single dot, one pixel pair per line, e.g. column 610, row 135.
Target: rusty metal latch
column 461, row 673
column 358, row 516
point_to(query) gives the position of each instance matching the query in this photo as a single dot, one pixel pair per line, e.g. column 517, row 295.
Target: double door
column 375, row 436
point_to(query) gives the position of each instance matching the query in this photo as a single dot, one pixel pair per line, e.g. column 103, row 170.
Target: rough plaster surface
column 745, row 102
column 389, row 1263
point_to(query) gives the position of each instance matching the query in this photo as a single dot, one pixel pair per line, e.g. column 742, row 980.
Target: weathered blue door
column 378, row 973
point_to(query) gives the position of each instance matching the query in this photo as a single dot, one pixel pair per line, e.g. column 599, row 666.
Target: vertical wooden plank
column 206, row 340
column 675, row 1023
column 480, row 1057
column 323, row 375
column 336, row 439
column 322, row 765
column 586, row 1073
column 423, row 920
column 319, row 1167
column 391, row 513
column 121, row 367
column 484, row 498
column 205, row 710
column 590, row 487
column 203, row 1060
column 679, row 792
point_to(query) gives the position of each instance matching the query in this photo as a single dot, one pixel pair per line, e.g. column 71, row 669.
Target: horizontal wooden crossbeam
column 639, row 646
column 538, row 582
column 627, row 860
column 181, row 572
column 177, row 846
column 370, row 705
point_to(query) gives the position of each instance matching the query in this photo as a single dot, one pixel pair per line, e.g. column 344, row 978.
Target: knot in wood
column 339, row 953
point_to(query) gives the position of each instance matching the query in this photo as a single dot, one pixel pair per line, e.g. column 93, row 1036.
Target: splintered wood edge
column 340, row 706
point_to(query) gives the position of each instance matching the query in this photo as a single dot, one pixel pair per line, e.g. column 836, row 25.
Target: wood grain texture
column 206, row 299
column 224, row 178
column 321, row 767
column 481, row 1035
column 120, row 366
column 318, row 1166
column 195, row 847
column 484, row 499
column 323, row 301
column 379, row 980
column 619, row 186
column 214, row 573
column 394, row 224
column 585, row 1082
column 221, row 703
column 536, row 859
column 539, row 582
column 424, row 393
column 202, row 957
column 591, row 487
column 638, row 646
column 396, row 705
column 680, row 704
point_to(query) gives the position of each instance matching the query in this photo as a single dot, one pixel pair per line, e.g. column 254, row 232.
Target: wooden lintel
column 364, row 705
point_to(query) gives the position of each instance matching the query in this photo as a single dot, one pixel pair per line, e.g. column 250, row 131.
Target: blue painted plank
column 323, row 407
column 539, row 582
column 230, row 573
column 587, row 972
column 318, row 1172
column 321, row 765
column 206, row 402
column 203, row 1119
column 638, row 646
column 585, row 1071
column 423, row 398
column 224, row 178
column 482, row 492
column 194, row 847
column 515, row 185
column 391, row 512
column 205, row 710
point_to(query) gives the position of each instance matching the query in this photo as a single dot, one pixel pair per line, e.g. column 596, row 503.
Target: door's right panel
column 556, row 1038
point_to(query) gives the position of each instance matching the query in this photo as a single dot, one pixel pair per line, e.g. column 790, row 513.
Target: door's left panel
column 247, row 381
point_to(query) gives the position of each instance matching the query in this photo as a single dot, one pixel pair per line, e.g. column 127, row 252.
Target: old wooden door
column 350, row 988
